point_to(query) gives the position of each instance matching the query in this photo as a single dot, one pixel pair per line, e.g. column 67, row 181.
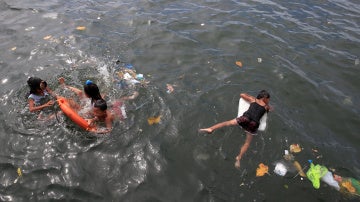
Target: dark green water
column 305, row 53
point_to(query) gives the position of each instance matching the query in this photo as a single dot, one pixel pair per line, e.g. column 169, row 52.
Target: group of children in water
column 39, row 99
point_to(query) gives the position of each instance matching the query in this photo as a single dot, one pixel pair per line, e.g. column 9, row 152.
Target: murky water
column 305, row 53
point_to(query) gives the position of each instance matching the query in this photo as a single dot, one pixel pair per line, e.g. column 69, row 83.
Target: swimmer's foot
column 206, row 130
column 237, row 163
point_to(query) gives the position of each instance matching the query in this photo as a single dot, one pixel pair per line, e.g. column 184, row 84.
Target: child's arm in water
column 75, row 90
column 108, row 122
column 33, row 107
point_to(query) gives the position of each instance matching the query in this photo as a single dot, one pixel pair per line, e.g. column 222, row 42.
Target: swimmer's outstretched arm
column 75, row 90
column 247, row 97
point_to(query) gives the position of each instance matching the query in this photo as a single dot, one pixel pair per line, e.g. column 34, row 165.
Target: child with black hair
column 39, row 97
column 99, row 106
column 91, row 90
column 102, row 114
column 249, row 121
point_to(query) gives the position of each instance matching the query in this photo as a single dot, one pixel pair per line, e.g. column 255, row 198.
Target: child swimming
column 249, row 121
column 102, row 114
column 39, row 97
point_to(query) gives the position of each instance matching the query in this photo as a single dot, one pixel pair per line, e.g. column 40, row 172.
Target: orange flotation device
column 73, row 115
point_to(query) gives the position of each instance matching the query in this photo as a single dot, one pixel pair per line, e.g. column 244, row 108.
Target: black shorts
column 247, row 124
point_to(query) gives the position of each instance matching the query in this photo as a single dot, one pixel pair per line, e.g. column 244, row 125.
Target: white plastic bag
column 329, row 179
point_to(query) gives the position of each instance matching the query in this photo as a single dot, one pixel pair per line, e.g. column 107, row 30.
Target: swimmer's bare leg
column 232, row 122
column 243, row 149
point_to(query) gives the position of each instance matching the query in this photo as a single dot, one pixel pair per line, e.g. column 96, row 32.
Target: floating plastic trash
column 280, row 169
column 287, row 156
column 329, row 179
column 125, row 76
column 315, row 173
column 129, row 66
column 140, row 76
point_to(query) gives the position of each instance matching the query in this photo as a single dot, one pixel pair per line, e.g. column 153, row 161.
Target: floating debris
column 262, row 170
column 47, row 37
column 170, row 88
column 287, row 156
column 19, row 172
column 29, row 28
column 299, row 169
column 126, row 76
column 238, row 63
column 280, row 169
column 81, row 28
column 295, row 148
column 154, row 120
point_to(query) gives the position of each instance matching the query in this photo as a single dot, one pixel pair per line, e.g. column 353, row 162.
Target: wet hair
column 263, row 94
column 92, row 90
column 101, row 104
column 34, row 84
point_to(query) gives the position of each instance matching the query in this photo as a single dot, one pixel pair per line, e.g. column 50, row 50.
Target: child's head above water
column 100, row 107
column 101, row 104
column 36, row 84
column 263, row 94
column 92, row 91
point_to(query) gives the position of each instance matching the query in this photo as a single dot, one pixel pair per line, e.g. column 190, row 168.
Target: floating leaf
column 262, row 170
column 154, row 120
column 238, row 63
column 348, row 186
column 295, row 148
column 81, row 28
column 19, row 172
column 47, row 37
column 299, row 169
